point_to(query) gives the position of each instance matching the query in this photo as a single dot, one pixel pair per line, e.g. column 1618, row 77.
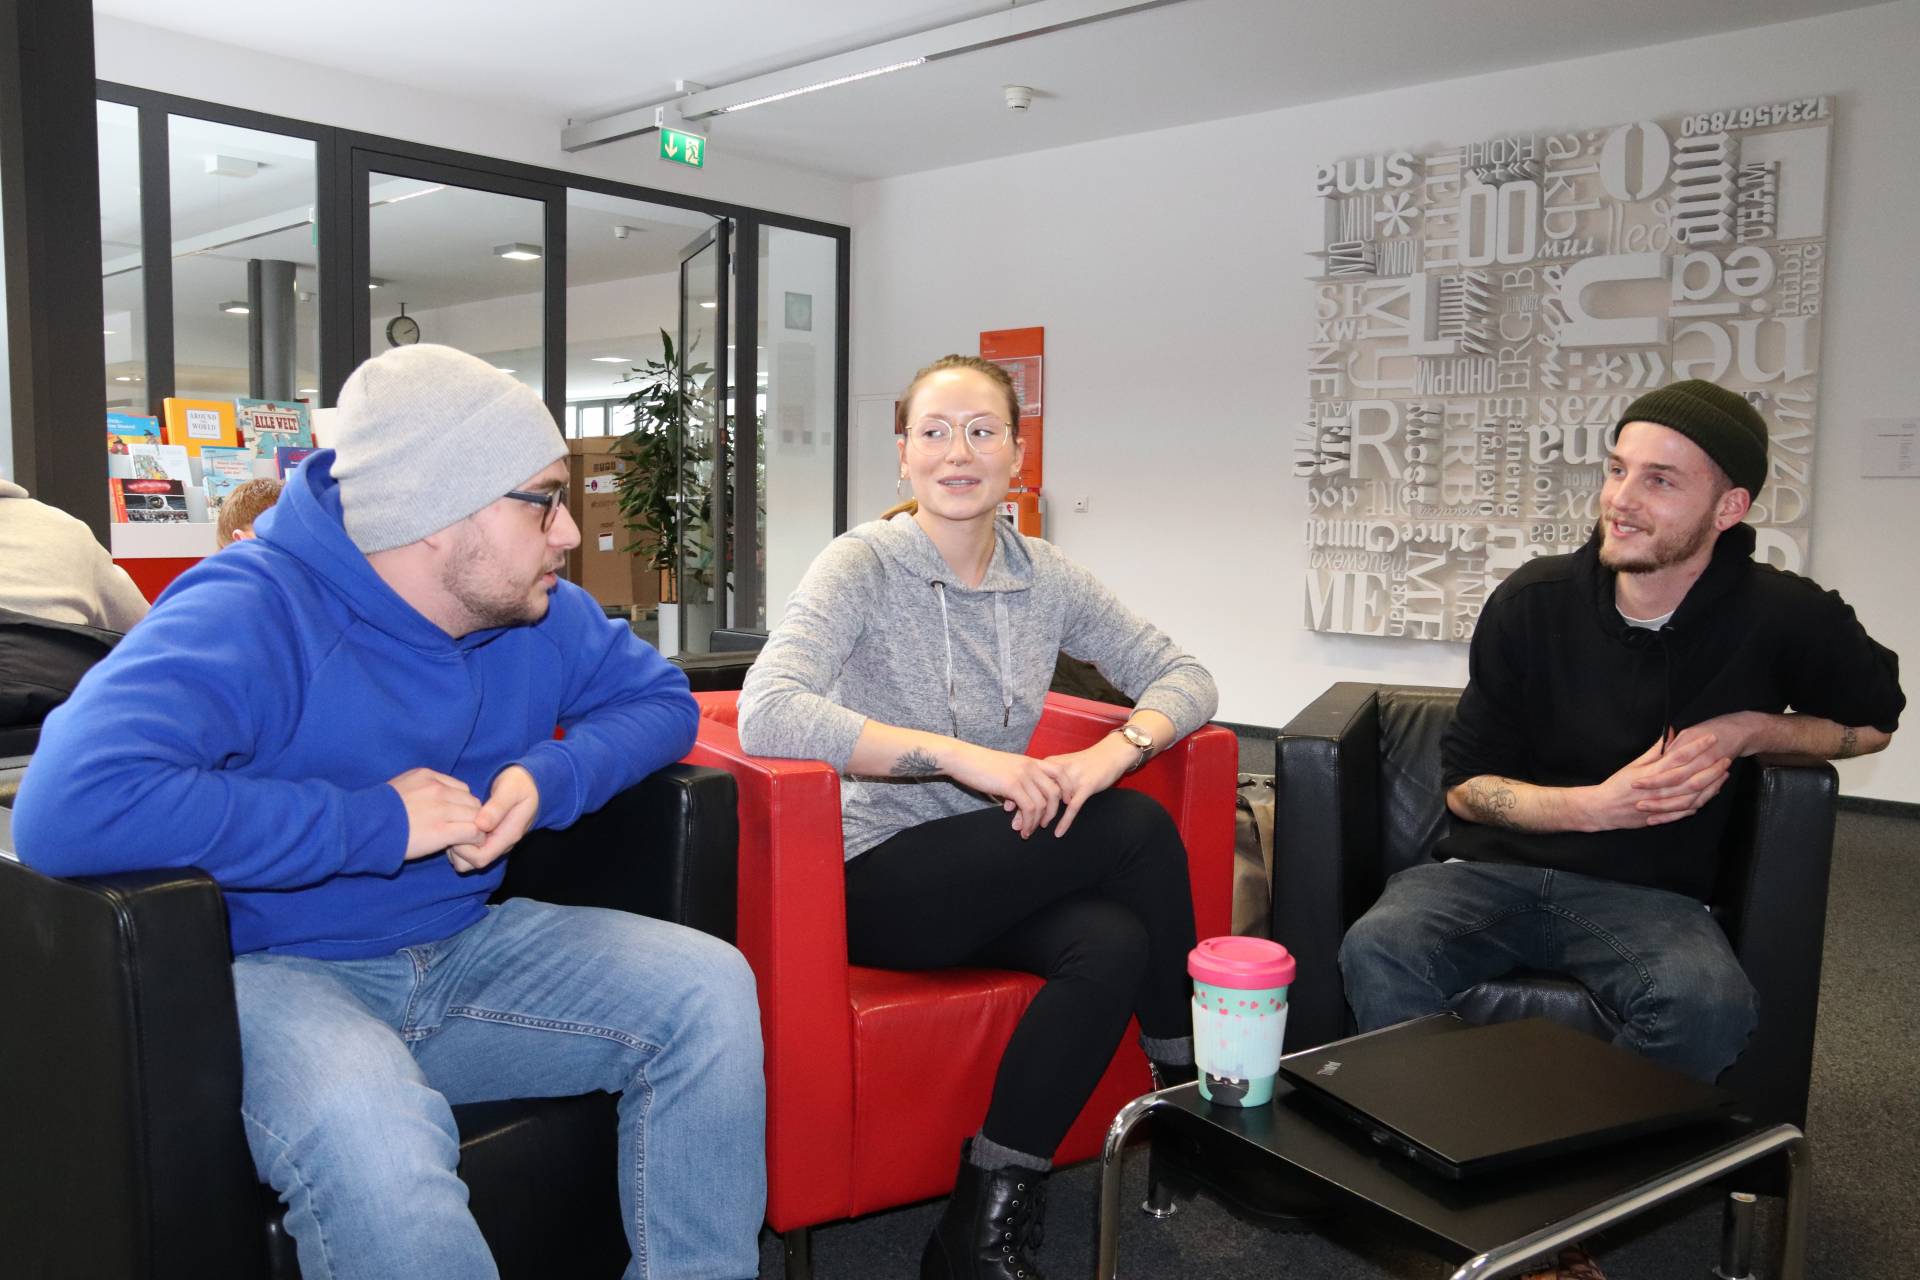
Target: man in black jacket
column 1610, row 692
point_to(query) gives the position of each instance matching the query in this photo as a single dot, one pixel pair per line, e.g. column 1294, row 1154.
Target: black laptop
column 1464, row 1100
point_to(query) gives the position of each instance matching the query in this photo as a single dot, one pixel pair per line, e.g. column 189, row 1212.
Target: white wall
column 1168, row 269
column 134, row 54
column 800, row 391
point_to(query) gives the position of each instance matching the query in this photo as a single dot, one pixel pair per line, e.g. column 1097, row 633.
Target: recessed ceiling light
column 709, row 305
column 108, row 333
column 517, row 252
column 374, row 282
column 235, row 308
column 506, row 370
column 308, row 391
column 122, row 378
column 611, row 360
column 424, row 191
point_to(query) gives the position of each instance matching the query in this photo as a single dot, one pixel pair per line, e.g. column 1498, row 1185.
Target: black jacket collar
column 1732, row 558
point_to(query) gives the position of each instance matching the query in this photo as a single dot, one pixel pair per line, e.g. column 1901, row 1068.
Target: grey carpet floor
column 1864, row 1119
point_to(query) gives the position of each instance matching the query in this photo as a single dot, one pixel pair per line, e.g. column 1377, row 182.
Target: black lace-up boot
column 991, row 1226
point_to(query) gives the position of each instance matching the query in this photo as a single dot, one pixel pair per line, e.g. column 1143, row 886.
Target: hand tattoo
column 915, row 764
column 1492, row 801
column 1849, row 742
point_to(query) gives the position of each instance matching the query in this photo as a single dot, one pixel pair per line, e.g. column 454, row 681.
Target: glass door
column 465, row 259
column 703, row 565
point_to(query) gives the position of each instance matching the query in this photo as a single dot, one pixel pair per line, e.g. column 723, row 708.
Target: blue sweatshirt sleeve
column 626, row 711
column 142, row 767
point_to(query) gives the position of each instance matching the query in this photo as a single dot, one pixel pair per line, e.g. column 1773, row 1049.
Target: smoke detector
column 1019, row 97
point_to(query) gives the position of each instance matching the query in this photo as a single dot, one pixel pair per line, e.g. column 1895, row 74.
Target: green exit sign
column 683, row 148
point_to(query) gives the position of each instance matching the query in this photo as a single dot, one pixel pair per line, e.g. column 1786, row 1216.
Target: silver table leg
column 1785, row 1137
column 1736, row 1237
column 1106, row 1258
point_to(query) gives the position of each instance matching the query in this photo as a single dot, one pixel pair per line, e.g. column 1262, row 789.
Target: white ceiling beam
column 1041, row 17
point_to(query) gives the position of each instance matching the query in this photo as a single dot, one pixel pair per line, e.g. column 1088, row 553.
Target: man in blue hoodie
column 348, row 722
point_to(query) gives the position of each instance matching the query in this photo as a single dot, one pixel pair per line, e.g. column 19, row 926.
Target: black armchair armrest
column 1325, row 848
column 665, row 847
column 1772, row 902
column 120, row 1067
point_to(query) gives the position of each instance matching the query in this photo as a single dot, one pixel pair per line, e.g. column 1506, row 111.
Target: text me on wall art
column 1485, row 312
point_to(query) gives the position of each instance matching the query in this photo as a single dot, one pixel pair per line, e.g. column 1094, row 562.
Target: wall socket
column 1082, row 505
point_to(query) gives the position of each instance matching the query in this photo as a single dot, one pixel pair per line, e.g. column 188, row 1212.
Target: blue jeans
column 351, row 1068
column 1656, row 958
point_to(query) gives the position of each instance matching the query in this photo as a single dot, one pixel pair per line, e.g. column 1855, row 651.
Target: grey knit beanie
column 1723, row 423
column 424, row 436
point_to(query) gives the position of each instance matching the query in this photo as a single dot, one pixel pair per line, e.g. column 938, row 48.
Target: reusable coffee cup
column 1239, row 1017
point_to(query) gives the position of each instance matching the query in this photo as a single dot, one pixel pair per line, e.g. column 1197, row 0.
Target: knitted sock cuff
column 1175, row 1051
column 985, row 1153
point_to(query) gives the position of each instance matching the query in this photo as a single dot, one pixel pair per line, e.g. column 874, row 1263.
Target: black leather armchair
column 40, row 663
column 120, row 1062
column 1358, row 796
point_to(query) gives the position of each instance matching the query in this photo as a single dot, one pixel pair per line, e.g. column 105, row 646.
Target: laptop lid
column 1464, row 1100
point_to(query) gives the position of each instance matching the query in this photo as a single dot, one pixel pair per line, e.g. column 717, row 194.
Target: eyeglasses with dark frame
column 548, row 500
column 984, row 434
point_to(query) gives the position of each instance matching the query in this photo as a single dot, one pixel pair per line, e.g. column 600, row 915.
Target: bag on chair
column 1253, row 855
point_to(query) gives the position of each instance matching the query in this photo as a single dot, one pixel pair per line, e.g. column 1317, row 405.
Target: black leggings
column 1104, row 914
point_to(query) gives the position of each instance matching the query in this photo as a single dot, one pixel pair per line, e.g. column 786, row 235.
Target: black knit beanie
column 1722, row 422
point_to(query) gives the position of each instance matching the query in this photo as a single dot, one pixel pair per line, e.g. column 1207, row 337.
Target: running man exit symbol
column 689, row 149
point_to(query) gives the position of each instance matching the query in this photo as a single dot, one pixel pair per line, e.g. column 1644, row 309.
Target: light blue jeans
column 352, row 1066
column 1656, row 958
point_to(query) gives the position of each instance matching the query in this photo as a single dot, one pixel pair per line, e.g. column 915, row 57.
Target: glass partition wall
column 122, row 283
column 458, row 266
column 250, row 255
column 245, row 256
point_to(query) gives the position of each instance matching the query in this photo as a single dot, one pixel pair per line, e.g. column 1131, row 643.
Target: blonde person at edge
column 914, row 658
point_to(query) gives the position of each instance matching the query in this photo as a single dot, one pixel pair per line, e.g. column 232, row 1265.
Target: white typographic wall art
column 1484, row 313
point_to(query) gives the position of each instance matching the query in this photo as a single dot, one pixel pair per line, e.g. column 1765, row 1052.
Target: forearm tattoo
column 916, row 763
column 1492, row 802
column 1849, row 742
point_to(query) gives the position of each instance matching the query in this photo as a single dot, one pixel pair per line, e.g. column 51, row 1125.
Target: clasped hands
column 1036, row 790
column 1672, row 779
column 443, row 814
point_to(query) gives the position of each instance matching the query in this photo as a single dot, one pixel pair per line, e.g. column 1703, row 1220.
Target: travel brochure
column 148, row 501
column 211, row 445
column 222, row 471
column 272, row 425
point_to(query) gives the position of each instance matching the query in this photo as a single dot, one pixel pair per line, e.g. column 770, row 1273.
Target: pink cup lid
column 1242, row 963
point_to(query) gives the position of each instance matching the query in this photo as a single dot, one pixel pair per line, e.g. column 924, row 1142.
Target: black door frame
column 364, row 162
column 717, row 238
column 343, row 322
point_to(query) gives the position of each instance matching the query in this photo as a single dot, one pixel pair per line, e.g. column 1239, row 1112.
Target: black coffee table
column 1492, row 1224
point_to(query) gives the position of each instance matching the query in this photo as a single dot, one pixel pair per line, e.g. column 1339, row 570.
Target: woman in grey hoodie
column 914, row 657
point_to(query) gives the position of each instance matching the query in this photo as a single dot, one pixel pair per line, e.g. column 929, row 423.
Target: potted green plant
column 662, row 488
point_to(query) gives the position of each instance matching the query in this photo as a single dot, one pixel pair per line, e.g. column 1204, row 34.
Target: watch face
column 1137, row 737
column 402, row 331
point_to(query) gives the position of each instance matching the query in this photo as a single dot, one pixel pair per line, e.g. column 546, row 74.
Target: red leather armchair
column 874, row 1077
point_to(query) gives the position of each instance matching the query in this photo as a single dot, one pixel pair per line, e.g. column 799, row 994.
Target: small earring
column 900, row 486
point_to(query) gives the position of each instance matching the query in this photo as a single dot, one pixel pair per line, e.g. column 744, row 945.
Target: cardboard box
column 601, row 563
